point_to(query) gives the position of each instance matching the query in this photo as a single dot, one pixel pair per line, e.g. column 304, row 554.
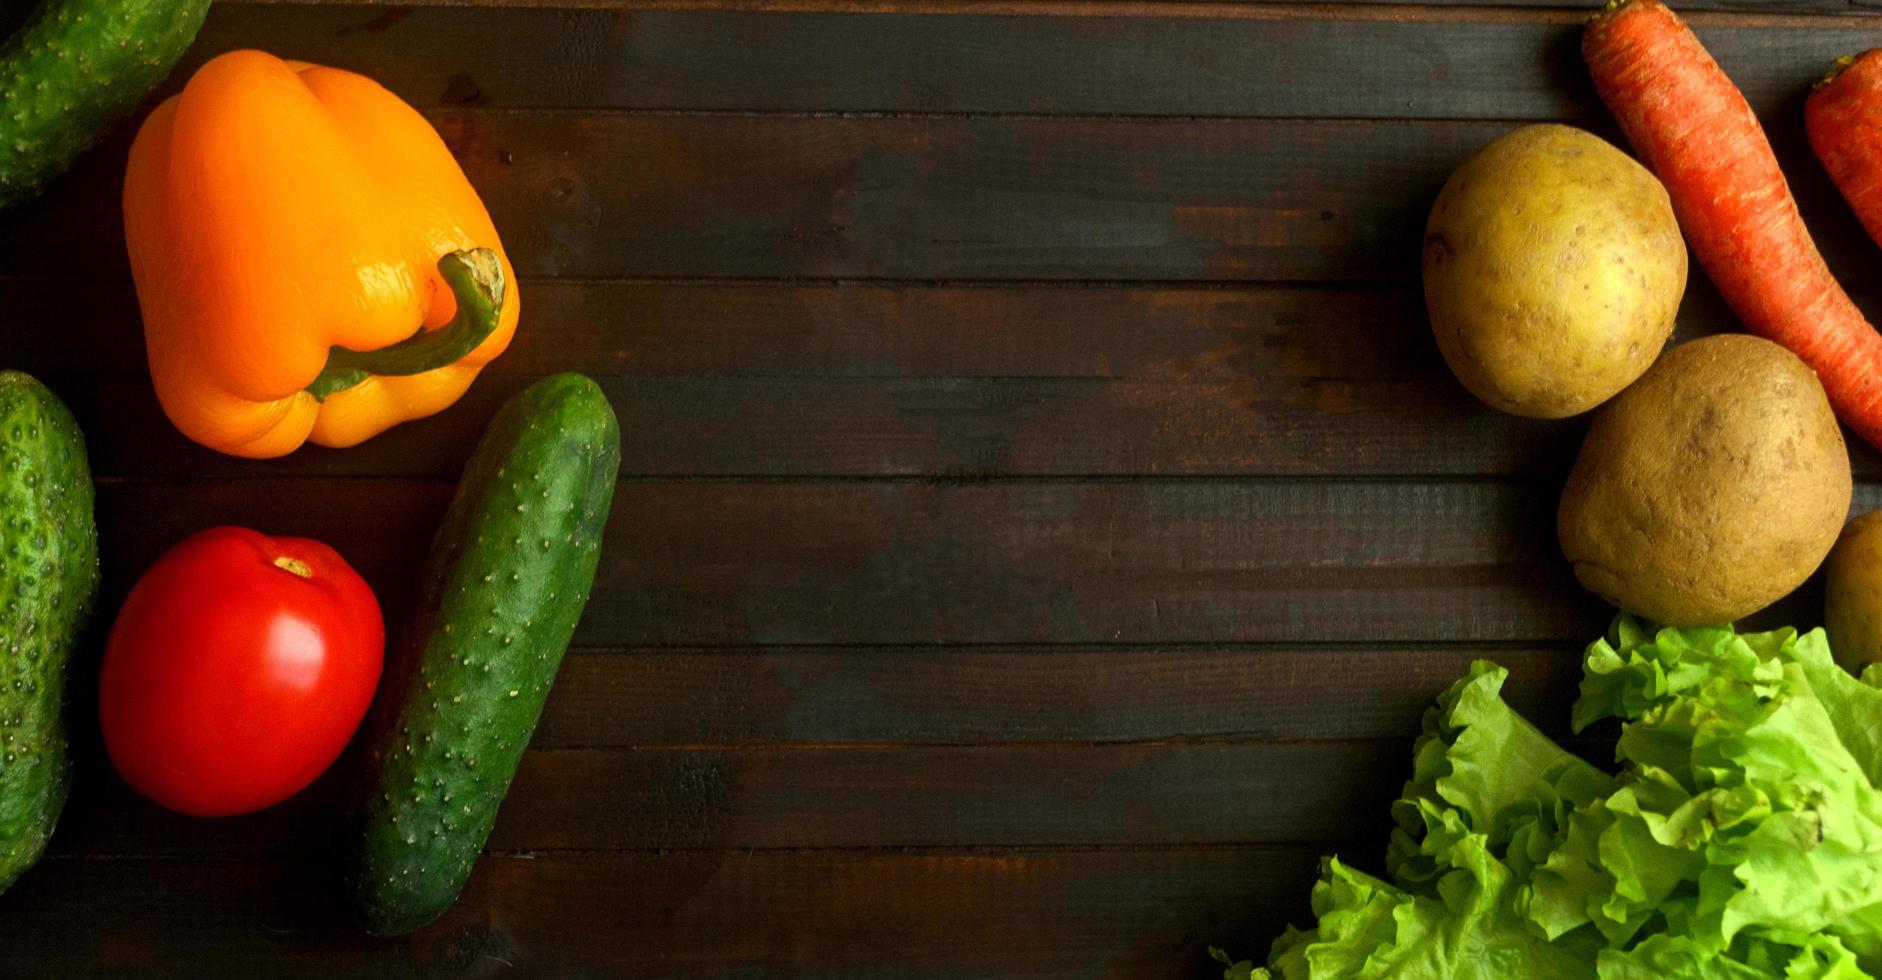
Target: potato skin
column 1553, row 267
column 1711, row 488
column 1852, row 601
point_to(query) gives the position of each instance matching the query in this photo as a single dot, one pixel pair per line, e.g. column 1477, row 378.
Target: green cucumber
column 508, row 576
column 72, row 71
column 48, row 579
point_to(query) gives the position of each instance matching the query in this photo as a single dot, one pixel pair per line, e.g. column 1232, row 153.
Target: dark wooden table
column 1044, row 513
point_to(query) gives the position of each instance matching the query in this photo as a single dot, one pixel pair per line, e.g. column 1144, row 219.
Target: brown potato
column 1553, row 267
column 1711, row 488
column 1852, row 600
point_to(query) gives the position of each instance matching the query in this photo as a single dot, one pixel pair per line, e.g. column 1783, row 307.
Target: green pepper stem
column 476, row 279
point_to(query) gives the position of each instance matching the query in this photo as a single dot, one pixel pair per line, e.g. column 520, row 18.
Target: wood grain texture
column 1149, row 913
column 830, row 749
column 866, row 562
column 611, row 195
column 1140, row 61
column 879, row 796
column 1791, row 12
column 1024, row 790
column 782, row 380
column 887, row 562
column 869, row 562
column 979, row 696
column 1779, row 11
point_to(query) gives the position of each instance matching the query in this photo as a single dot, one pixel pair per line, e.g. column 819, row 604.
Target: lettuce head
column 1739, row 833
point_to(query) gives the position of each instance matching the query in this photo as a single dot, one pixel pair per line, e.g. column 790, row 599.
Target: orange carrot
column 1844, row 117
column 1696, row 132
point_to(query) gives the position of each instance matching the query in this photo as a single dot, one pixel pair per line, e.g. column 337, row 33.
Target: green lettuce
column 1740, row 837
column 1480, row 768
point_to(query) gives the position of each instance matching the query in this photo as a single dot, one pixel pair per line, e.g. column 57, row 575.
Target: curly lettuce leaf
column 1779, row 823
column 1481, row 768
column 1741, row 837
column 1755, row 956
column 1470, row 928
column 1487, row 796
column 1854, row 706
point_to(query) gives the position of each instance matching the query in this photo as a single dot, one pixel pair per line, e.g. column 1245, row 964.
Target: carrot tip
column 1842, row 64
column 1608, row 10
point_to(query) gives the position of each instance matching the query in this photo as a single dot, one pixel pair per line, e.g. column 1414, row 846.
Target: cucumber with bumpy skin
column 508, row 576
column 72, row 71
column 48, row 578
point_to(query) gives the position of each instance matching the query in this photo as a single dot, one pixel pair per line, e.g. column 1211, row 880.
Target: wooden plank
column 858, row 796
column 865, row 380
column 608, row 195
column 1412, row 11
column 1073, row 795
column 850, row 331
column 795, row 381
column 964, row 427
column 1145, row 62
column 853, row 790
column 926, row 198
column 963, row 696
column 1149, row 913
column 1222, row 790
column 1704, row 11
column 887, row 562
column 718, row 379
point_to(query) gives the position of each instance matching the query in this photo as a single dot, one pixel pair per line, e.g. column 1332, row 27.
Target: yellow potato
column 1852, row 598
column 1711, row 488
column 1553, row 267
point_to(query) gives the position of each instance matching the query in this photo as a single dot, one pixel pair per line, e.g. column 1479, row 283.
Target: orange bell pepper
column 311, row 262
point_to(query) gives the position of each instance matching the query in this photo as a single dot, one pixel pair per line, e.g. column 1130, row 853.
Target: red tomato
column 237, row 670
